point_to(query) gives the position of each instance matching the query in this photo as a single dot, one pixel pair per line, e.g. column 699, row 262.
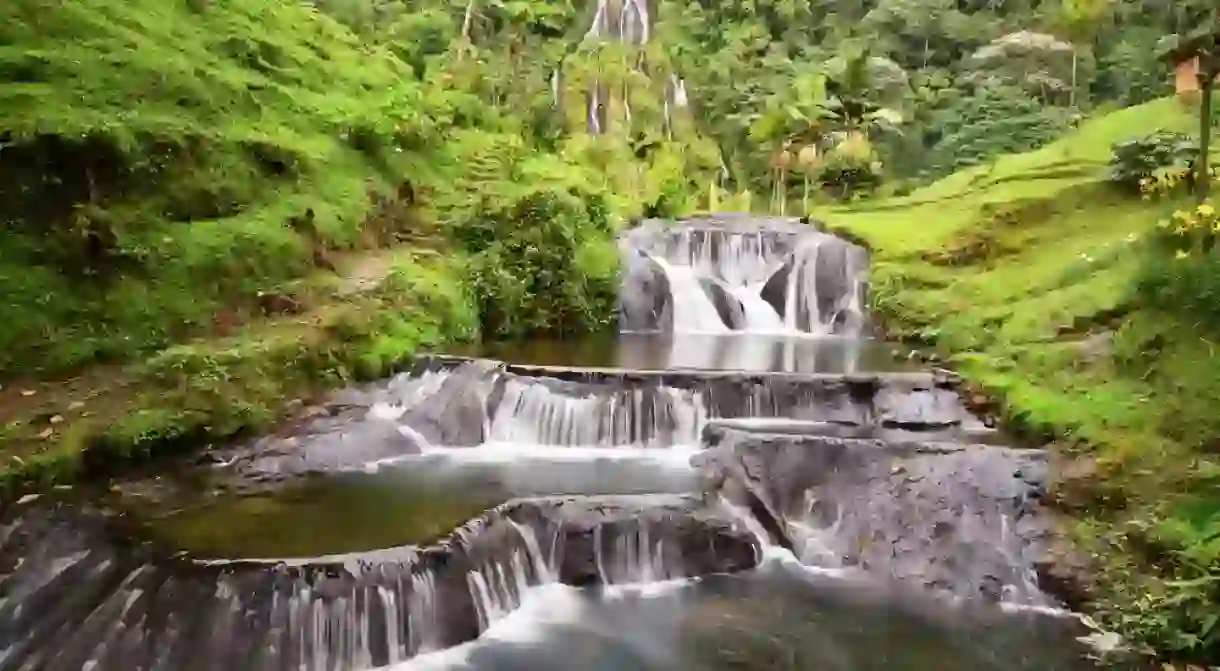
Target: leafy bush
column 1136, row 164
column 1181, row 272
column 996, row 121
column 540, row 263
column 851, row 169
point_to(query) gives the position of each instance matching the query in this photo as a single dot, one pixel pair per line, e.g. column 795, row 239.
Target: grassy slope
column 154, row 156
column 184, row 137
column 1022, row 273
column 210, row 215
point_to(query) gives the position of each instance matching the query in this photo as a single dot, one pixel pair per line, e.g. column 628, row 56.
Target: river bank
column 1024, row 276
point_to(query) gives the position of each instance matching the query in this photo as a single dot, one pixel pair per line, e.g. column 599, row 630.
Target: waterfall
column 802, row 283
column 422, row 626
column 498, row 587
column 693, row 310
column 744, row 274
column 531, row 412
column 760, row 316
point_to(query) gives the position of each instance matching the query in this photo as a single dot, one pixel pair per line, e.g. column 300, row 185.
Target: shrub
column 851, row 169
column 539, row 263
column 1160, row 158
column 995, row 121
column 1182, row 271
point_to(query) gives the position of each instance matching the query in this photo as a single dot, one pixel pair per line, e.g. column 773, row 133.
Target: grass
column 164, row 161
column 206, row 221
column 193, row 394
column 1023, row 274
column 213, row 211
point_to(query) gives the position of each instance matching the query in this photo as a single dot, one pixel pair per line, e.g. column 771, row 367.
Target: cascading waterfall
column 759, row 315
column 541, row 414
column 623, row 21
column 871, row 474
column 693, row 310
column 803, row 285
column 741, row 274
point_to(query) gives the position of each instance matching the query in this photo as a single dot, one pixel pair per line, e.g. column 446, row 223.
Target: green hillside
column 164, row 162
column 215, row 210
column 1045, row 285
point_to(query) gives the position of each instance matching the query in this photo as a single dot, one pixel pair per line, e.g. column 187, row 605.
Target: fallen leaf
column 27, row 498
column 28, row 392
column 76, row 405
column 46, row 433
column 57, row 419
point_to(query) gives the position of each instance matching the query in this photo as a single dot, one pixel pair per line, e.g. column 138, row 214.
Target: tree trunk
column 466, row 21
column 1204, row 178
column 1075, row 65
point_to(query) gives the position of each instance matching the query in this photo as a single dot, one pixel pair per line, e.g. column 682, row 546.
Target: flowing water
column 743, row 480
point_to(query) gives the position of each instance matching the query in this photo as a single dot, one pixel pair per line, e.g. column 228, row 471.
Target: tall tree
column 1081, row 21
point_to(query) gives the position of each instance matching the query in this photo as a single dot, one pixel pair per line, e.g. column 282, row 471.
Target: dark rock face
column 775, row 290
column 728, row 306
column 962, row 518
column 73, row 594
column 644, row 295
column 456, row 413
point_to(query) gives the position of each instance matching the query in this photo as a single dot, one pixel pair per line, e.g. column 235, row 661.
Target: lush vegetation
column 231, row 205
column 212, row 210
column 1082, row 303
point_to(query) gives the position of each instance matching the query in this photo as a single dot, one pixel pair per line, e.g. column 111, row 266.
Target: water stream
column 746, row 481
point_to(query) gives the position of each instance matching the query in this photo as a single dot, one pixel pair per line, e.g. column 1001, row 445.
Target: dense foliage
column 1139, row 163
column 191, row 171
column 536, row 265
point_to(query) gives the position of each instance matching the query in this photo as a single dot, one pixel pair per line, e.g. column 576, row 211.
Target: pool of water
column 411, row 500
column 781, row 617
column 733, row 351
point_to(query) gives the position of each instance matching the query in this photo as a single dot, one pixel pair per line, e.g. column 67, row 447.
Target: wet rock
column 72, row 590
column 775, row 290
column 944, row 515
column 840, row 292
column 359, row 444
column 644, row 295
column 728, row 306
column 455, row 414
column 611, row 539
column 919, row 409
column 1063, row 569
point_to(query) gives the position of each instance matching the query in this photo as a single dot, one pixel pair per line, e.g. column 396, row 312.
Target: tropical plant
column 1136, row 164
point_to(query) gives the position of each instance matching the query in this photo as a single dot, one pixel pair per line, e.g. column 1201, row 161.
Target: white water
column 533, row 414
column 803, row 283
column 422, row 624
column 693, row 311
column 760, row 316
column 821, row 283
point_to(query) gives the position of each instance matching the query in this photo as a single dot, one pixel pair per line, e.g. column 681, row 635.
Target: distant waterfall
column 741, row 273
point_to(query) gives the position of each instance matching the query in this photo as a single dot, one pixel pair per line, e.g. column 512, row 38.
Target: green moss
column 1024, row 275
column 155, row 167
column 192, row 395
